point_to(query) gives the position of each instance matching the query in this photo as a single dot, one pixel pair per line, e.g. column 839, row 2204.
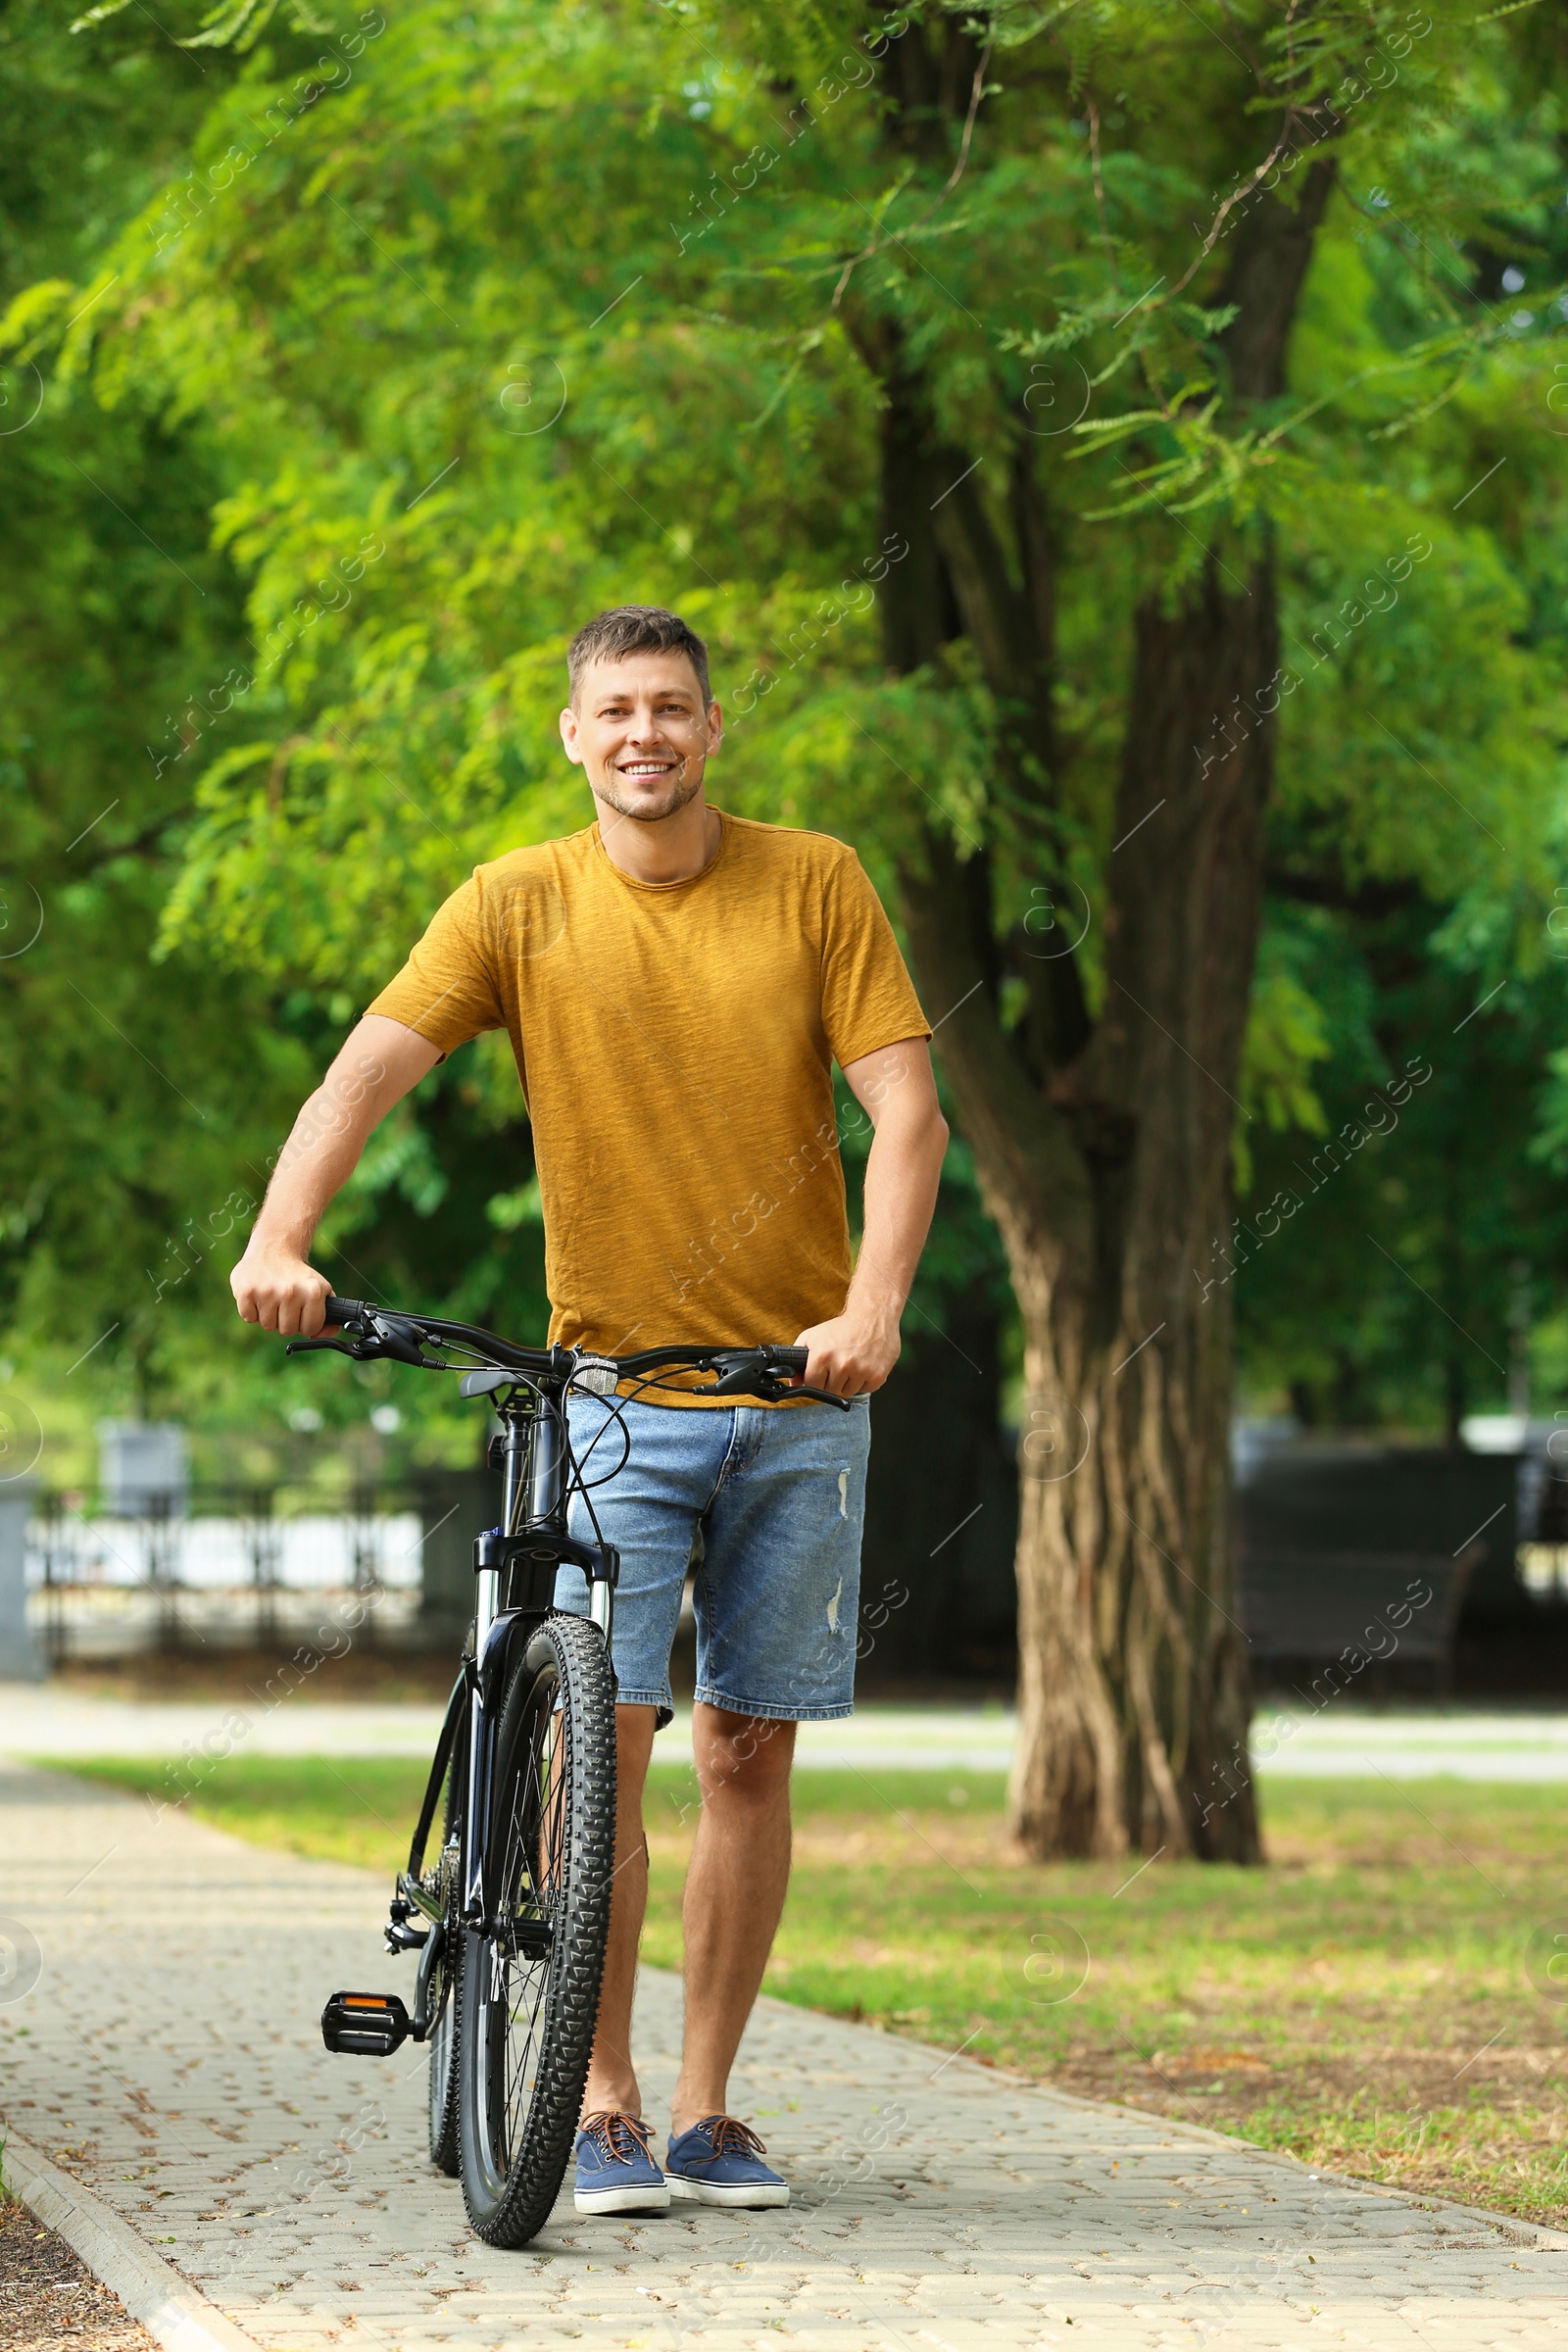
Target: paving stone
column 169, row 2057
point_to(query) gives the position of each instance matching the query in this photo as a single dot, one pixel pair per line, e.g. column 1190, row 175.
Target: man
column 677, row 983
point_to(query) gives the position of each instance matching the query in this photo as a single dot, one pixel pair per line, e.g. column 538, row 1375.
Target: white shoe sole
column 714, row 2192
column 621, row 2200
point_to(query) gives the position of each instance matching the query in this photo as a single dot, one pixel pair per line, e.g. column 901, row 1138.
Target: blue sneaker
column 719, row 2162
column 616, row 2171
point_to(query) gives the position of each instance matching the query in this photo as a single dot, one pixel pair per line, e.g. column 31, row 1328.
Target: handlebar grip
column 345, row 1310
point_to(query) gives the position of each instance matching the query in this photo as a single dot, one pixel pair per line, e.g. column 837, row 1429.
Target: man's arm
column 855, row 1351
column 272, row 1284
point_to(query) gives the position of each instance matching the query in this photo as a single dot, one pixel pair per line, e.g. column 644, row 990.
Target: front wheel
column 528, row 1993
column 442, row 1995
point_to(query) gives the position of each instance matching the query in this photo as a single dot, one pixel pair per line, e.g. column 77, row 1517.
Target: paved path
column 168, row 2056
column 1404, row 1744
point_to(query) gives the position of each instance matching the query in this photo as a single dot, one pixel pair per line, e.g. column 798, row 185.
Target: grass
column 1375, row 2001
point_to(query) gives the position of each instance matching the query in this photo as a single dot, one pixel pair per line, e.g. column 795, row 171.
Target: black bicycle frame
column 515, row 1565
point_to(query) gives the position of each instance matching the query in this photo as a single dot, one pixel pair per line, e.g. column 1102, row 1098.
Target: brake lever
column 779, row 1391
column 396, row 1338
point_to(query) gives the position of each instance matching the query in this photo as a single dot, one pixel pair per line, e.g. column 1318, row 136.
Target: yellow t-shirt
column 675, row 1044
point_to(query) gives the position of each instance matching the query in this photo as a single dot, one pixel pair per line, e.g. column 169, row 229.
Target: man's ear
column 570, row 737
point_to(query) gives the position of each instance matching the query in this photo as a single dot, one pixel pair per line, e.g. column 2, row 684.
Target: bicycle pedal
column 365, row 2024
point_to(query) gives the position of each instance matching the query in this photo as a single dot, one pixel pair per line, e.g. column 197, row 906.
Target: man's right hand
column 280, row 1291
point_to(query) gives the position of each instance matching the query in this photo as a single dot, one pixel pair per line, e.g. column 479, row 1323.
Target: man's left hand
column 850, row 1355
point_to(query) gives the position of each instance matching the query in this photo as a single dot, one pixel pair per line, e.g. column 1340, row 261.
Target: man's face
column 641, row 734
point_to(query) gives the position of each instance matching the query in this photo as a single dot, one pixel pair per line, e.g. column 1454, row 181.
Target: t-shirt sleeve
column 868, row 999
column 447, row 990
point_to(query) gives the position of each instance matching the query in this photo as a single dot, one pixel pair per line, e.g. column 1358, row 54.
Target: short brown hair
column 635, row 629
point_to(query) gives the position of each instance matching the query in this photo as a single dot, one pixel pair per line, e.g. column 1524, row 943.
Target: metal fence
column 235, row 1566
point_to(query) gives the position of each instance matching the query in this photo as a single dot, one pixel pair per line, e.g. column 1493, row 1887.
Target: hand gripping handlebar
column 364, row 1332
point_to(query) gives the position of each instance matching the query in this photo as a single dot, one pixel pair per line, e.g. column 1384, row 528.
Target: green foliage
column 1425, row 1223
column 146, row 1090
column 138, row 1099
column 432, row 334
column 444, row 313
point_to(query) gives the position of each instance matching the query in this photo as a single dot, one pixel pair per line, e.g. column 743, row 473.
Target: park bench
column 1342, row 1613
column 1331, row 1539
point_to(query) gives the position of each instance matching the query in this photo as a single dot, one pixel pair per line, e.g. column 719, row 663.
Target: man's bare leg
column 735, row 1888
column 611, row 2078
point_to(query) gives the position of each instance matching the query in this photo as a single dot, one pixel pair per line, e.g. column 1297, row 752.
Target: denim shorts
column 768, row 1505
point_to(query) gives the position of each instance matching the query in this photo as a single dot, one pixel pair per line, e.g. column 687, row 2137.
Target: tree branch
column 1372, row 900
column 1048, row 1193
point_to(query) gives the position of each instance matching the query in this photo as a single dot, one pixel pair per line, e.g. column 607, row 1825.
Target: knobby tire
column 442, row 2106
column 525, row 2024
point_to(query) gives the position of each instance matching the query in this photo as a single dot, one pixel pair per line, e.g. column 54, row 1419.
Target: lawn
column 1376, row 2000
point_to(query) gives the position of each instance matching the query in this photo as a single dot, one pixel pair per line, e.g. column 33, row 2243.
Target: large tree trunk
column 1103, row 1142
column 1125, row 1566
column 1133, row 1692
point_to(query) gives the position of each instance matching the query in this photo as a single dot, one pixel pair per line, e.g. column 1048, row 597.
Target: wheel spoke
column 527, row 2010
column 532, row 1890
column 532, row 1862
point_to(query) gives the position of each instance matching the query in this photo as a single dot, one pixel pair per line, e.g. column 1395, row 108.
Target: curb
column 152, row 2290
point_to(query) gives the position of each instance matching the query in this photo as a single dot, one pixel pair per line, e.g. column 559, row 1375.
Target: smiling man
column 678, row 984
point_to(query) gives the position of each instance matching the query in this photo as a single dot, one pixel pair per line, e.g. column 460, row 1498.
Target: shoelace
column 727, row 2138
column 620, row 2137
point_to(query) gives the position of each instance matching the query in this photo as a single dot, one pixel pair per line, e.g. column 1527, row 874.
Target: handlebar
column 768, row 1370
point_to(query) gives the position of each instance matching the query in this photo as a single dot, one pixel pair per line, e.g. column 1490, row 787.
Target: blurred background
column 342, row 356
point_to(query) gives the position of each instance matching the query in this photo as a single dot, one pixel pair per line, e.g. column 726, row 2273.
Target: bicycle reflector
column 364, row 2025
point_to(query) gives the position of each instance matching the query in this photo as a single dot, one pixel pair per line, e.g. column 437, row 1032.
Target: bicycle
column 515, row 1909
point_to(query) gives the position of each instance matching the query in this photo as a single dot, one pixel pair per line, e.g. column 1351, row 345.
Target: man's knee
column 748, row 1755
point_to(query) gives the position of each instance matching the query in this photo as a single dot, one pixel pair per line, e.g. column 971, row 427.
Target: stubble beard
column 685, row 788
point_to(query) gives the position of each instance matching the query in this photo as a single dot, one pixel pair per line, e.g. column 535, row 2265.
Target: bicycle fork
column 516, row 1565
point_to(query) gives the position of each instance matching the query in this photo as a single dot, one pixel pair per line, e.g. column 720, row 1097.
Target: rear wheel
column 443, row 2115
column 528, row 1994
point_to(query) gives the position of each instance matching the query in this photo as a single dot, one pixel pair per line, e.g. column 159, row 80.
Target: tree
column 132, row 1093
column 552, row 310
column 1105, row 1138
